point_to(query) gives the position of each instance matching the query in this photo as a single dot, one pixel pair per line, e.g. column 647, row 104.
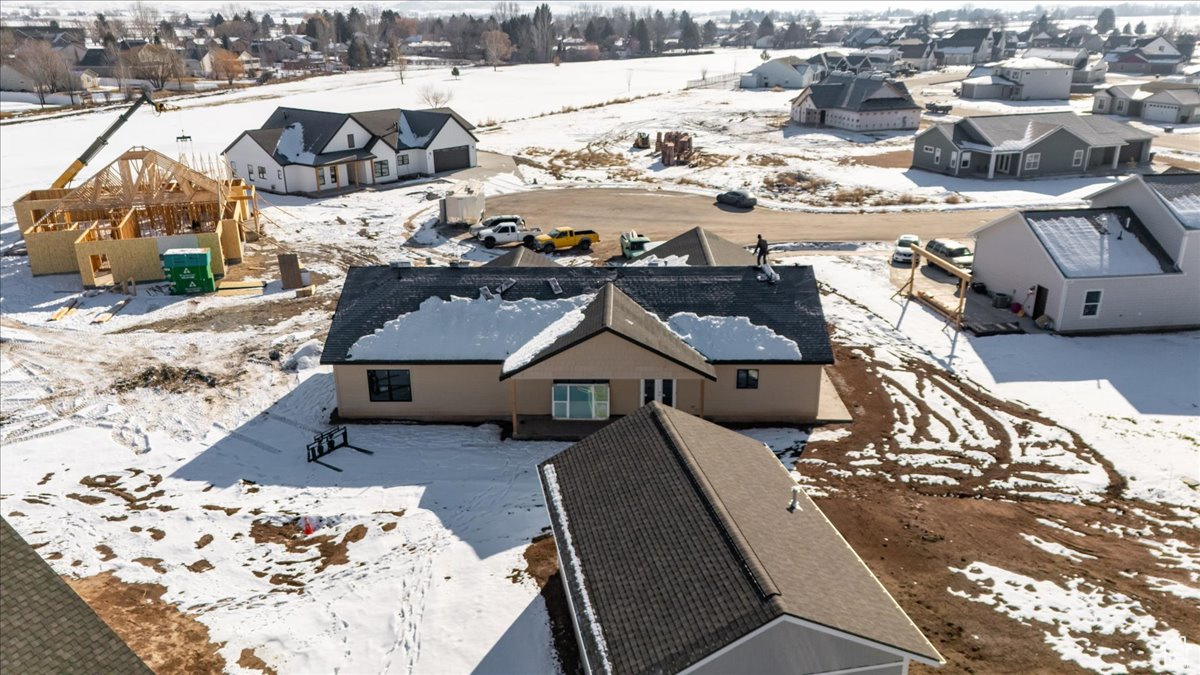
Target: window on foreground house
column 401, row 160
column 1091, row 303
column 747, row 378
column 1033, row 160
column 580, row 401
column 381, row 169
column 389, row 385
column 262, row 172
column 349, row 140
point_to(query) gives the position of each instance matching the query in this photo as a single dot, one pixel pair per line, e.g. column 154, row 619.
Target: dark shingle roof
column 717, row 554
column 521, row 257
column 372, row 296
column 44, row 626
column 702, row 247
column 1096, row 130
column 320, row 126
column 966, row 37
column 614, row 312
column 848, row 91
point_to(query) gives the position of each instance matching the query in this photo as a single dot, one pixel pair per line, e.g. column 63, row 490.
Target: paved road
column 661, row 214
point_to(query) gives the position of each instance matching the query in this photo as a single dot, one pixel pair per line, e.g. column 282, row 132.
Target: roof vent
column 554, row 286
column 399, row 264
column 486, row 293
column 459, row 264
column 795, row 505
column 508, row 283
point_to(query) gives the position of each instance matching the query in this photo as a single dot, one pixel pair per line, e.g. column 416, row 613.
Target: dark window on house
column 349, row 140
column 262, row 172
column 381, row 168
column 747, row 378
column 401, row 160
column 279, row 172
column 389, row 385
column 250, row 171
column 1091, row 303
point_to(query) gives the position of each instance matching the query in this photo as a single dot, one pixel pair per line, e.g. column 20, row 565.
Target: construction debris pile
column 675, row 146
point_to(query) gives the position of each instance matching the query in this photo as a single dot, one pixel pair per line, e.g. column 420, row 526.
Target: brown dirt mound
column 251, row 661
column 541, row 557
column 168, row 640
column 330, row 550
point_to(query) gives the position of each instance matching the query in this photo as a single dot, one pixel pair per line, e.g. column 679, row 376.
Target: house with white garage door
column 298, row 151
column 1129, row 262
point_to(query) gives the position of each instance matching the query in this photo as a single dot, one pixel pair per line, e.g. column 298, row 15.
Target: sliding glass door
column 580, row 401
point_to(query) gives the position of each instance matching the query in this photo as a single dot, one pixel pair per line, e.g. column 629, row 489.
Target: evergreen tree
column 1106, row 21
column 216, row 20
column 359, row 56
column 1141, row 28
column 1127, row 28
column 767, row 27
column 709, row 33
column 454, row 72
column 689, row 32
column 641, row 33
column 589, row 32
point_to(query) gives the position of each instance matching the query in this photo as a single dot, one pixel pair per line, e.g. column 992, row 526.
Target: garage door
column 1158, row 112
column 447, row 159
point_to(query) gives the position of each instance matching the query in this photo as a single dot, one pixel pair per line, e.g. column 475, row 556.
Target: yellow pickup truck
column 563, row 238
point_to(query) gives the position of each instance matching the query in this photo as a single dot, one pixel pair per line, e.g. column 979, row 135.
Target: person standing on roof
column 760, row 249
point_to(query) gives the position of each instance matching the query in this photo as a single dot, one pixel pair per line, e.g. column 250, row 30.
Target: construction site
column 115, row 226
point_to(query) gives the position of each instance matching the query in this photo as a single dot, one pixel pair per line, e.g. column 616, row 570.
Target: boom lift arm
column 101, row 141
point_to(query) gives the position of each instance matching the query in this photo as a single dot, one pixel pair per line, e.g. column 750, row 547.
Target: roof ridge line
column 757, row 573
column 708, row 256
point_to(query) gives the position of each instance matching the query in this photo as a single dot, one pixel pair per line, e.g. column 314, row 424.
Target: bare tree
column 434, row 97
column 398, row 60
column 371, row 15
column 46, row 70
column 157, row 65
column 226, row 65
column 143, row 19
column 504, row 11
column 497, row 48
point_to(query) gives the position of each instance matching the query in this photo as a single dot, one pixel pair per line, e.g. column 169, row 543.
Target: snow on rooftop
column 1031, row 62
column 1082, row 249
column 729, row 338
column 528, row 351
column 463, row 328
column 651, row 260
column 291, row 144
column 571, row 558
column 407, row 137
column 1187, row 208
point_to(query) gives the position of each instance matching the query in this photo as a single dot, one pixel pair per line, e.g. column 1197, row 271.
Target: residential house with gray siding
column 1030, row 146
column 1020, row 79
column 747, row 574
column 1158, row 101
column 1129, row 262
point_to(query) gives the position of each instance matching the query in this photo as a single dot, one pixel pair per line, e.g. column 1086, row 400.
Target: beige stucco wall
column 459, row 393
column 786, row 393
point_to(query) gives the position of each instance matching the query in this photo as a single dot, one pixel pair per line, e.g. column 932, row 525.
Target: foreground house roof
column 1013, row 133
column 697, row 247
column 45, row 627
column 521, row 256
column 383, row 312
column 717, row 552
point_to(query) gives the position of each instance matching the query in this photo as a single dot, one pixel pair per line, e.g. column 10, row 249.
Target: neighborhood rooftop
column 717, row 553
column 698, row 246
column 1181, row 192
column 860, row 93
column 1099, row 242
column 773, row 323
column 1019, row 131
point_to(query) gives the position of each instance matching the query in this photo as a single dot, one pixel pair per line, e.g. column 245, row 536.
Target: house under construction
column 115, row 225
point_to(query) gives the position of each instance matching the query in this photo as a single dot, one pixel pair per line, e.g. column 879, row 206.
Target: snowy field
column 416, row 563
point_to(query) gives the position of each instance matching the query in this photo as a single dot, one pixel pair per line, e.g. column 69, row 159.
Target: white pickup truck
column 508, row 233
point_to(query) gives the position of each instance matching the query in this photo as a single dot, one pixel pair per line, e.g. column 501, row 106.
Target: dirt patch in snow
column 111, row 484
column 105, row 552
column 249, row 660
column 166, row 378
column 200, row 566
column 330, row 550
column 912, row 533
column 897, row 159
column 168, row 640
column 204, row 541
column 153, row 563
column 541, row 558
column 90, row 500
